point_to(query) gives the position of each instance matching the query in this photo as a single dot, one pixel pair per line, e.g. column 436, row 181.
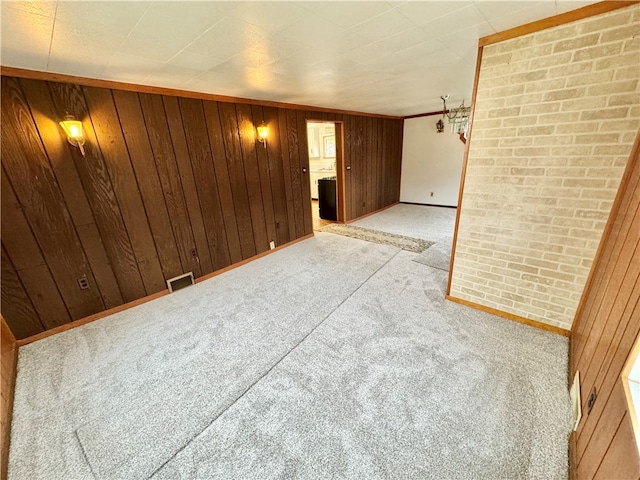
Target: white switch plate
column 272, row 244
column 576, row 407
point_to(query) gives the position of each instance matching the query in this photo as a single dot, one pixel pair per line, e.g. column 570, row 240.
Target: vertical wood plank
column 286, row 170
column 169, row 178
column 29, row 171
column 195, row 129
column 294, row 164
column 252, row 176
column 17, row 308
column 264, row 169
column 221, row 168
column 112, row 149
column 621, row 459
column 229, row 125
column 303, row 154
column 276, row 174
column 183, row 162
column 348, row 162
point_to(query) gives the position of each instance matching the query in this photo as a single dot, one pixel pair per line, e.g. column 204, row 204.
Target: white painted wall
column 431, row 162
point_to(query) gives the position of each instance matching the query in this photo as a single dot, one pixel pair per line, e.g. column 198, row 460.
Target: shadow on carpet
column 437, row 256
column 416, row 245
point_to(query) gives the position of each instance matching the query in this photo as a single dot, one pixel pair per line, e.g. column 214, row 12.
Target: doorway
column 325, row 172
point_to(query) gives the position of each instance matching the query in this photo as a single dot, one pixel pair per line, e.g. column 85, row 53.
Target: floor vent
column 181, row 281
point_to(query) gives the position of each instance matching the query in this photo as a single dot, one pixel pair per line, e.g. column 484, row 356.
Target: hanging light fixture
column 458, row 117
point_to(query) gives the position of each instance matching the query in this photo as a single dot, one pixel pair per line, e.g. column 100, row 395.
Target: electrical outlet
column 194, row 252
column 272, row 244
column 83, row 283
column 591, row 400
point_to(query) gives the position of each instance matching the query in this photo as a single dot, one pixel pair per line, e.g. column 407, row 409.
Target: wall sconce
column 73, row 129
column 263, row 133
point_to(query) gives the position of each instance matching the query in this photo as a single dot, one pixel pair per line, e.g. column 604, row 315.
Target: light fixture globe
column 263, row 133
column 73, row 129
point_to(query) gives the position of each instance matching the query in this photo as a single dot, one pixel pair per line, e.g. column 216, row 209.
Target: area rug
column 416, row 245
column 438, row 256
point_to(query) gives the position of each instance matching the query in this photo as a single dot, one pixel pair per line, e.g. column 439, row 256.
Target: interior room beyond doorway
column 322, row 172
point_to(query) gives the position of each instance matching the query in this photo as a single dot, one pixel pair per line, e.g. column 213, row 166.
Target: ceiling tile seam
column 117, row 50
column 53, row 28
column 199, row 36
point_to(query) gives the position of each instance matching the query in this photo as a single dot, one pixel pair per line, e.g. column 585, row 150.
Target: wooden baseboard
column 148, row 298
column 511, row 316
column 428, row 204
column 9, row 363
column 371, row 213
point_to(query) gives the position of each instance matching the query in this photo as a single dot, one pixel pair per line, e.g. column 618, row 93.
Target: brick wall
column 556, row 115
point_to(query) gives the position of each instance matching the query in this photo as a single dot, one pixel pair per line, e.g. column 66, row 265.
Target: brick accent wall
column 556, row 114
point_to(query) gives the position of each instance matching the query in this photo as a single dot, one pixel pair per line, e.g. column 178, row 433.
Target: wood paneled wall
column 606, row 327
column 9, row 354
column 168, row 185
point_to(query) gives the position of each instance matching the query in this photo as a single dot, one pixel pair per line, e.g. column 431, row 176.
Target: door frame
column 341, row 204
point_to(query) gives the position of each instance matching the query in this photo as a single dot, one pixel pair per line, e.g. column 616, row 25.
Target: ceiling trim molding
column 556, row 20
column 133, row 87
column 427, row 114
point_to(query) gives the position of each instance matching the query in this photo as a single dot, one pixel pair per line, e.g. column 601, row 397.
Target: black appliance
column 327, row 198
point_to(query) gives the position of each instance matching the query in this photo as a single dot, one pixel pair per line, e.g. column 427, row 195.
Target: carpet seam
column 84, row 454
column 273, row 366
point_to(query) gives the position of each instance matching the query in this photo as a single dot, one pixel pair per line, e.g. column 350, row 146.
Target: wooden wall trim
column 463, row 174
column 134, row 87
column 9, row 353
column 148, row 298
column 510, row 316
column 556, row 20
column 371, row 213
column 427, row 114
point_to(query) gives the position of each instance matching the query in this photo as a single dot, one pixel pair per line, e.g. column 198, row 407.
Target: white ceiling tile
column 384, row 25
column 170, row 75
column 26, row 38
column 406, row 39
column 161, row 49
column 83, row 41
column 194, row 61
column 270, row 16
column 347, row 14
column 41, row 7
column 425, row 12
column 181, row 22
column 130, row 68
column 563, row 6
column 499, row 8
column 523, row 16
column 118, row 17
column 227, row 38
column 462, row 19
column 90, row 67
